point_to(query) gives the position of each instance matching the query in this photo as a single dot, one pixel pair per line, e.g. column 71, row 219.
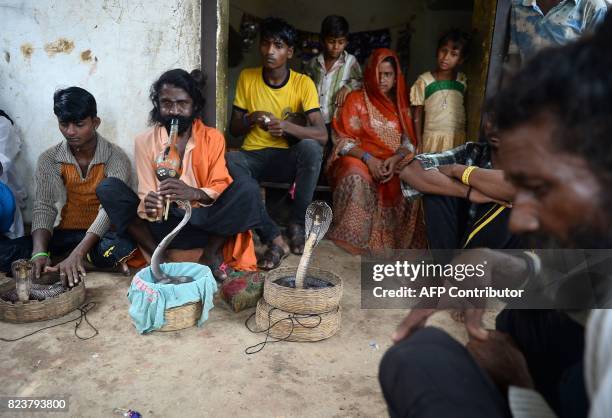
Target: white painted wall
column 113, row 48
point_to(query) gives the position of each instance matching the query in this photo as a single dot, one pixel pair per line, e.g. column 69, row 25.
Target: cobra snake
column 25, row 289
column 158, row 274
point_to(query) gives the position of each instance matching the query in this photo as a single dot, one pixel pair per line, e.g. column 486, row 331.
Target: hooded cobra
column 158, row 274
column 25, row 289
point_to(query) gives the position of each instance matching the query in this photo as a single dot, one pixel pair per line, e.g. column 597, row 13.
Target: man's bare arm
column 488, row 181
column 239, row 124
column 432, row 181
column 316, row 129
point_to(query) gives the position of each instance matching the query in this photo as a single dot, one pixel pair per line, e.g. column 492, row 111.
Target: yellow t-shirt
column 297, row 94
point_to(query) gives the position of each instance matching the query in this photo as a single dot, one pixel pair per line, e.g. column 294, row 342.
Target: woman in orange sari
column 373, row 138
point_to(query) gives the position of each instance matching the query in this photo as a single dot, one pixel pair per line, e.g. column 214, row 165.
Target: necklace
column 444, row 104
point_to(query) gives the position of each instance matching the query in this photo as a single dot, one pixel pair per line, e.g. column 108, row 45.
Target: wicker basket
column 34, row 310
column 181, row 317
column 296, row 327
column 303, row 301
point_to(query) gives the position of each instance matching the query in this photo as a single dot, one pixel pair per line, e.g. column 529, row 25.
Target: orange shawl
column 239, row 250
column 203, row 167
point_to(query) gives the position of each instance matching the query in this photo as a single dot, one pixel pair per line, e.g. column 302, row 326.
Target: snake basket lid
column 34, row 310
column 288, row 326
column 303, row 301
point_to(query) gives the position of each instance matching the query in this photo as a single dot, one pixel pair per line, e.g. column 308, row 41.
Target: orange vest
column 82, row 204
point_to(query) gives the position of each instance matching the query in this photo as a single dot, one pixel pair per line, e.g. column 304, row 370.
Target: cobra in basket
column 30, row 300
column 171, row 296
column 303, row 304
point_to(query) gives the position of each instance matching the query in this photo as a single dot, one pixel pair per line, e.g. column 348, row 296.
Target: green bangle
column 39, row 255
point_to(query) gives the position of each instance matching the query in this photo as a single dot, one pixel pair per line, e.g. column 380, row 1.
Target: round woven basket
column 34, row 310
column 296, row 327
column 181, row 317
column 303, row 301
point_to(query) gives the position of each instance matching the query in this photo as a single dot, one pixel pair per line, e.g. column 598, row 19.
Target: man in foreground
column 555, row 121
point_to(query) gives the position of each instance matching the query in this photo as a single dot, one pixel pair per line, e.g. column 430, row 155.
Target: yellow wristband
column 465, row 177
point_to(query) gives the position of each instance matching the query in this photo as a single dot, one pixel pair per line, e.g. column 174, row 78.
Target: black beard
column 184, row 122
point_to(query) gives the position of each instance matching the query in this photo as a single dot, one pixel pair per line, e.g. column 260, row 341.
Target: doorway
column 223, row 55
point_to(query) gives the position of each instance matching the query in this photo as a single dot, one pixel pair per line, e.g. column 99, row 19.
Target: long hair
column 193, row 83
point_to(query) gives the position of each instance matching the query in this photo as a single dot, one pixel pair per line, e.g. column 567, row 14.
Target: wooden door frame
column 490, row 28
column 215, row 40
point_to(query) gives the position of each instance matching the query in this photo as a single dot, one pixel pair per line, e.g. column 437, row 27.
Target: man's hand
column 416, row 319
column 40, row 264
column 341, row 96
column 260, row 118
column 276, row 127
column 154, row 204
column 375, row 167
column 501, row 359
column 71, row 270
column 472, row 308
column 175, row 189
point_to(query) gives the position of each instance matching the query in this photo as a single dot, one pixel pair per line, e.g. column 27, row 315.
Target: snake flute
column 158, row 274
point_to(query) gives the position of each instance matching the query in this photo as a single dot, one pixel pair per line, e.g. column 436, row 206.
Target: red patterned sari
column 370, row 217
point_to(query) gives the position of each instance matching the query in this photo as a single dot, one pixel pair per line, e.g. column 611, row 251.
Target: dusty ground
column 204, row 371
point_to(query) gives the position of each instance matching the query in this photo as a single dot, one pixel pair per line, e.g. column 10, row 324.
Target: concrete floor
column 201, row 372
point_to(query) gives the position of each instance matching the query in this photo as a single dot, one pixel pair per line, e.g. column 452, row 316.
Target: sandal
column 297, row 238
column 274, row 254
